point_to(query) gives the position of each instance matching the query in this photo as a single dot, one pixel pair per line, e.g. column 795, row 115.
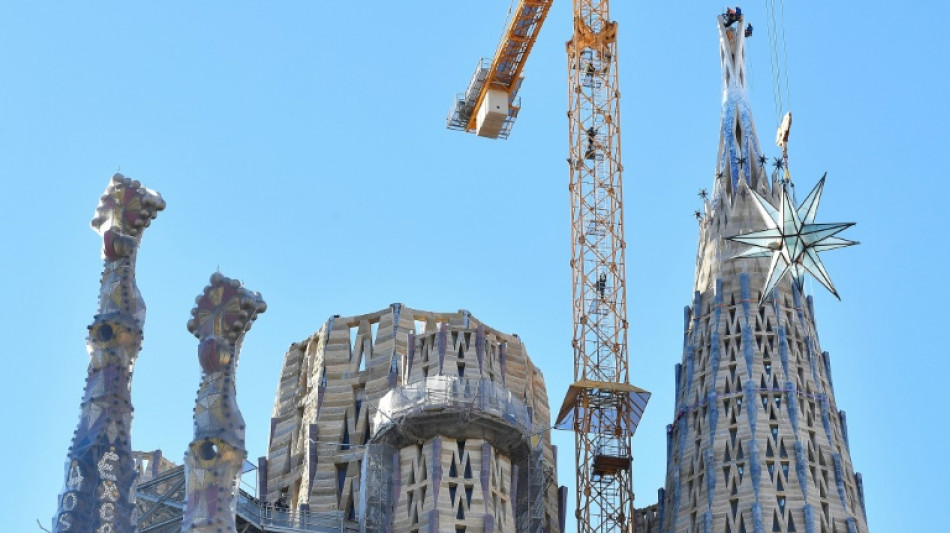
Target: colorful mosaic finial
column 99, row 495
column 223, row 314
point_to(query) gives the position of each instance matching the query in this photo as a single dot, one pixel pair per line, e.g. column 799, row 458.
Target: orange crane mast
column 601, row 406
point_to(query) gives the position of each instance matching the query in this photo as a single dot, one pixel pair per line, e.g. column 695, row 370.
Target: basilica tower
column 758, row 442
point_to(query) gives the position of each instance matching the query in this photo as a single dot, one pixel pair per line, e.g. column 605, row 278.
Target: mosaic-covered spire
column 757, row 442
column 99, row 494
column 214, row 459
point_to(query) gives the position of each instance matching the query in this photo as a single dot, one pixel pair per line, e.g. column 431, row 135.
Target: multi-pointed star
column 793, row 239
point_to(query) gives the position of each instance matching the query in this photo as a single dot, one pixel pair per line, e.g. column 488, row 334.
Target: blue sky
column 301, row 147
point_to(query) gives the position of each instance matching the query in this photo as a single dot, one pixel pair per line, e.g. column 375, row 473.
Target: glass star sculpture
column 793, row 239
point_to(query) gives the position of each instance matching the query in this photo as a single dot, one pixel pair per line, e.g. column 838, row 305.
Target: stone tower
column 757, row 442
column 223, row 313
column 99, row 494
column 412, row 421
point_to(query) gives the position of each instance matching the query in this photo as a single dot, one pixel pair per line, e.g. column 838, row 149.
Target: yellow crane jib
column 490, row 104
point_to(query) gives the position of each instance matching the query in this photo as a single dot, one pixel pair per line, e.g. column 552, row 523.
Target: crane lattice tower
column 601, row 406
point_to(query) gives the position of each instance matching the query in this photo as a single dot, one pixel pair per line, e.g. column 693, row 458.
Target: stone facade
column 409, row 420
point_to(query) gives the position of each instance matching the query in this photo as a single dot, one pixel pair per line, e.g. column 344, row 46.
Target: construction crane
column 601, row 406
column 490, row 104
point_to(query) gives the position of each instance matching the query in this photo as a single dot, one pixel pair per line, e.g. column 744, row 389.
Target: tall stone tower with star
column 757, row 442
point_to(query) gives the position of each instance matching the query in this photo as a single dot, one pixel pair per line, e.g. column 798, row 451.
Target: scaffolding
column 376, row 498
column 160, row 501
column 461, row 408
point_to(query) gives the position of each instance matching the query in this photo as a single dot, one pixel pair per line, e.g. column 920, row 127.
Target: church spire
column 739, row 153
column 757, row 441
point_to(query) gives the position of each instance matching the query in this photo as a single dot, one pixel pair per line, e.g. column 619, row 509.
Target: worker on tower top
column 731, row 16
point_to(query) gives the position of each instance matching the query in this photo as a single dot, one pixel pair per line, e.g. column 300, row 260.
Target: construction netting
column 376, row 488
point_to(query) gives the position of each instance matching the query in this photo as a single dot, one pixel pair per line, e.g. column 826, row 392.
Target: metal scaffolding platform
column 161, row 499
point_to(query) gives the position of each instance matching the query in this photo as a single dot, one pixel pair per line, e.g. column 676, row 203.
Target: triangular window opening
column 340, row 478
column 358, row 402
column 345, row 441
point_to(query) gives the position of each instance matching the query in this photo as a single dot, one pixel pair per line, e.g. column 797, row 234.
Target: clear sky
column 301, row 147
